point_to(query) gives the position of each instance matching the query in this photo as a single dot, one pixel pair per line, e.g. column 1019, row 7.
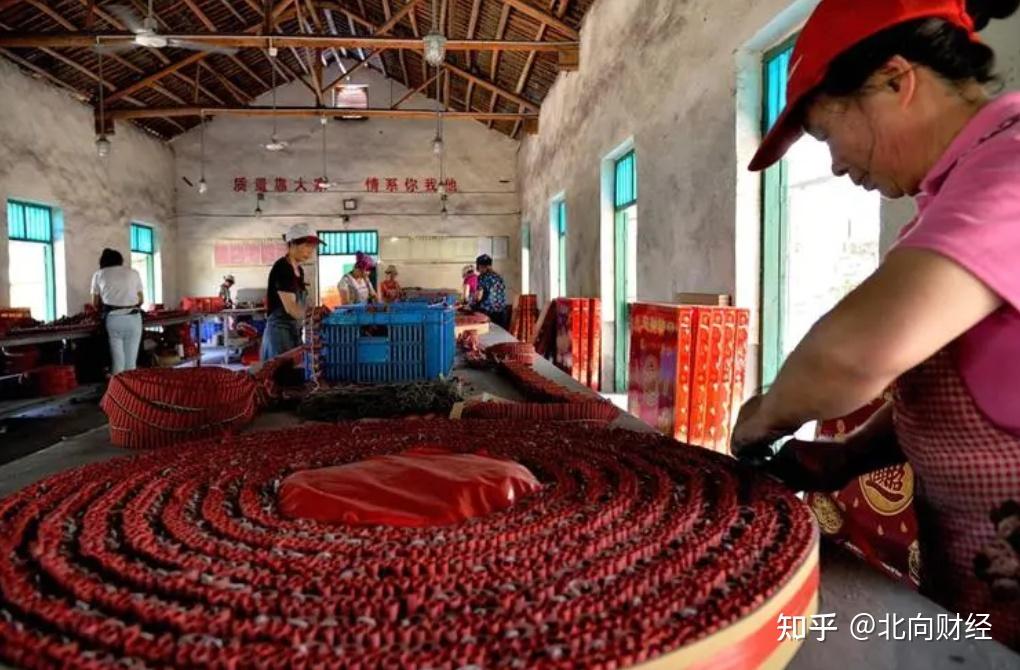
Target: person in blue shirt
column 490, row 298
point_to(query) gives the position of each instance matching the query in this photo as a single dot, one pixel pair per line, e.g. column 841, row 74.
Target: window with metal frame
column 820, row 234
column 625, row 193
column 32, row 270
column 561, row 246
column 774, row 211
column 143, row 258
column 348, row 242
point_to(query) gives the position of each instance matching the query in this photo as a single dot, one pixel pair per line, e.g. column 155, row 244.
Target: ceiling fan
column 277, row 144
column 147, row 34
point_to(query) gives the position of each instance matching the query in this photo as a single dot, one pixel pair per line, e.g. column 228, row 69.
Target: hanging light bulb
column 102, row 146
column 443, row 212
column 203, row 186
column 258, row 205
column 434, row 41
column 441, row 187
column 435, row 48
column 437, row 145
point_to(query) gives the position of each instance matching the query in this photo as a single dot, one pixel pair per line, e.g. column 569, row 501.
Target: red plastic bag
column 421, row 487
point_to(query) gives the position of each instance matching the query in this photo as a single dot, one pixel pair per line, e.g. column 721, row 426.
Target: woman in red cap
column 899, row 92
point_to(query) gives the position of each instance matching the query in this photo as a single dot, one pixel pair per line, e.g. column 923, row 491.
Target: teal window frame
column 32, row 222
column 625, row 193
column 561, row 246
column 774, row 216
column 348, row 242
column 143, row 241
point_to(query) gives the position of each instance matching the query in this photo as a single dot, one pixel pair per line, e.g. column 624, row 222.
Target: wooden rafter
column 200, row 15
column 152, row 79
column 504, row 17
column 543, row 16
column 248, row 71
column 425, row 84
column 177, row 112
column 476, row 5
column 561, row 11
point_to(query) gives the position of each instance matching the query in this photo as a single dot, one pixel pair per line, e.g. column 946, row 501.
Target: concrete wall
column 680, row 82
column 483, row 162
column 47, row 155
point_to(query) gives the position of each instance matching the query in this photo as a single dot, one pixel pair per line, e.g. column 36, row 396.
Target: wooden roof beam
column 543, row 16
column 80, row 40
column 200, row 15
column 188, row 111
column 155, row 77
column 407, row 96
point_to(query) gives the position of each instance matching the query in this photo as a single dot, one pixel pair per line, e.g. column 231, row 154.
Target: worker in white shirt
column 117, row 294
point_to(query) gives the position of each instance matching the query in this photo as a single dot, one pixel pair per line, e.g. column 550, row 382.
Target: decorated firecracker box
column 873, row 516
column 688, row 362
column 660, row 362
column 578, row 352
column 595, row 345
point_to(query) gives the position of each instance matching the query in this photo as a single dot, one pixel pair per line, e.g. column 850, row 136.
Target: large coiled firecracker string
column 634, row 549
column 160, row 407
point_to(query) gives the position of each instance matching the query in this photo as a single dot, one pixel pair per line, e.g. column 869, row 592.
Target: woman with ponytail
column 904, row 94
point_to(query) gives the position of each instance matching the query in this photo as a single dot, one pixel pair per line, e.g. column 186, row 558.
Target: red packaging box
column 741, row 334
column 702, row 325
column 583, row 360
column 660, row 366
column 595, row 345
column 724, row 392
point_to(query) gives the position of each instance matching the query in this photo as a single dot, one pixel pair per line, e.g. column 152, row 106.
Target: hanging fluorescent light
column 102, row 146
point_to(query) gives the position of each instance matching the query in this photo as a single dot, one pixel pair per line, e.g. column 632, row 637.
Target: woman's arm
column 97, row 301
column 291, row 306
column 915, row 304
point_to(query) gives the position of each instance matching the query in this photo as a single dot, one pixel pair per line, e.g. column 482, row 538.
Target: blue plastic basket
column 404, row 342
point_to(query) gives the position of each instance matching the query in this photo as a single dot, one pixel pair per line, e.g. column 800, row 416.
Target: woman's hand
column 754, row 432
column 812, row 466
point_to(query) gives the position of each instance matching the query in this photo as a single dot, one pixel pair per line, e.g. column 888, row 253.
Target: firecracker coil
column 637, row 551
column 163, row 406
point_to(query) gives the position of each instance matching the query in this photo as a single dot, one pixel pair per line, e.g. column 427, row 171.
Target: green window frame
column 561, row 246
column 625, row 191
column 348, row 242
column 774, row 216
column 30, row 222
column 143, row 241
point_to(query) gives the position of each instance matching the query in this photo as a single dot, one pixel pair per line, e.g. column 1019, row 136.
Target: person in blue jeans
column 287, row 293
column 117, row 294
column 490, row 298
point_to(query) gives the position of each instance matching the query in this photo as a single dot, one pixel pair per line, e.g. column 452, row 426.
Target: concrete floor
column 848, row 586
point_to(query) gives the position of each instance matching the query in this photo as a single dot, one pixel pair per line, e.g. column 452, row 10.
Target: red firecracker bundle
column 592, row 410
column 274, row 380
column 52, row 380
column 203, row 305
column 513, row 352
column 874, row 515
column 632, row 550
column 163, row 407
column 687, row 367
column 470, row 319
column 525, row 317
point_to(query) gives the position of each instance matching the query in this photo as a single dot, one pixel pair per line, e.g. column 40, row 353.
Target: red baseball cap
column 834, row 27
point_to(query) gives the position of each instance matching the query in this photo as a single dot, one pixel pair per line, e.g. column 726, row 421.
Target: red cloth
column 966, row 467
column 421, row 487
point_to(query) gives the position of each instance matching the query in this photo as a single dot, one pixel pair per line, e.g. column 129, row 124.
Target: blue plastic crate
column 405, row 342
